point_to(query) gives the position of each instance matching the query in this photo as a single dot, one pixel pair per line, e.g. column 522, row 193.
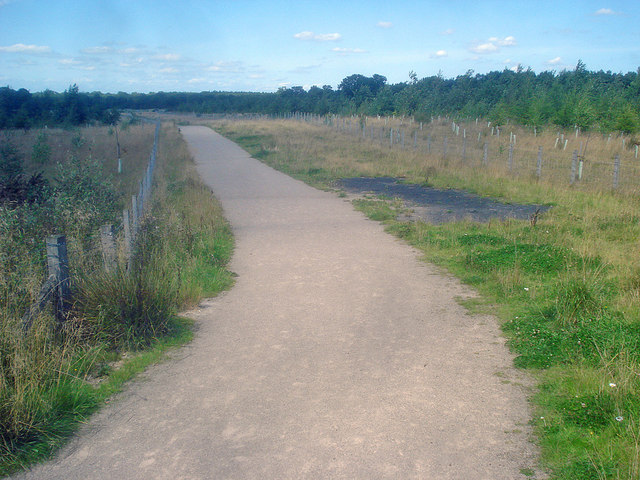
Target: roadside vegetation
column 565, row 285
column 65, row 181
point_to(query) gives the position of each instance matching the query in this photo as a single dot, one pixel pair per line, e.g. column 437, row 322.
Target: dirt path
column 337, row 355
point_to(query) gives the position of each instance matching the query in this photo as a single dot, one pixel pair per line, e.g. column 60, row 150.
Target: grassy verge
column 566, row 289
column 52, row 378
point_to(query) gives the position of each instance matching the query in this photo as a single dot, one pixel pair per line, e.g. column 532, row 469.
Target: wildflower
column 526, row 289
column 619, row 419
column 612, row 385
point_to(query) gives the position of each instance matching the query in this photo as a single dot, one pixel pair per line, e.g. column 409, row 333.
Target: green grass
column 74, row 395
column 566, row 291
column 52, row 379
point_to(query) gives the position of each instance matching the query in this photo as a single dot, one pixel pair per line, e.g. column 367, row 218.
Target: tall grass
column 565, row 289
column 52, row 377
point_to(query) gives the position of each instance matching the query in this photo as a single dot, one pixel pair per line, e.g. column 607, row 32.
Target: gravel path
column 338, row 354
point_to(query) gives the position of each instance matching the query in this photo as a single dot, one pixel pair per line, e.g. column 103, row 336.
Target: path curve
column 338, row 354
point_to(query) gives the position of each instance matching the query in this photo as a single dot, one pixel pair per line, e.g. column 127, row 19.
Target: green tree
column 41, row 152
column 627, row 121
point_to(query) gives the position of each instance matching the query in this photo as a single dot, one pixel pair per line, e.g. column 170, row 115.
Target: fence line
column 57, row 287
column 485, row 148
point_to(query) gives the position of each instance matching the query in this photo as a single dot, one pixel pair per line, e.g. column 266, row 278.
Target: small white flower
column 612, row 385
column 526, row 289
column 619, row 419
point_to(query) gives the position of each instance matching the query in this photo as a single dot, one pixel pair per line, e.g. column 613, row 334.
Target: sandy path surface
column 338, row 354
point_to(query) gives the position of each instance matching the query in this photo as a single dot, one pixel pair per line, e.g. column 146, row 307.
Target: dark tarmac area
column 434, row 205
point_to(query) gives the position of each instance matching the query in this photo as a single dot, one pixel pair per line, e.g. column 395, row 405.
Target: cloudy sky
column 257, row 45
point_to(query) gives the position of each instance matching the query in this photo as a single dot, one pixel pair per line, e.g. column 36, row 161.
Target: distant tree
column 111, row 116
column 41, row 152
column 72, row 110
column 351, row 85
column 627, row 121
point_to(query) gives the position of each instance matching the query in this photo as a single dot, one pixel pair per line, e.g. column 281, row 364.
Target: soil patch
column 434, row 205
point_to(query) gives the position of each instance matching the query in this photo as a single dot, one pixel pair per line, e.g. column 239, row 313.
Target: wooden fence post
column 510, row 156
column 616, row 171
column 128, row 241
column 574, row 166
column 107, row 240
column 58, row 264
column 539, row 165
column 118, row 152
column 485, row 153
column 134, row 216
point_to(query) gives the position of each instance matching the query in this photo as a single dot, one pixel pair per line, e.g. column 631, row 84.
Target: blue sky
column 255, row 45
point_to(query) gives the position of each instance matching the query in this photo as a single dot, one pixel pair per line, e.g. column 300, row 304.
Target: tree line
column 572, row 98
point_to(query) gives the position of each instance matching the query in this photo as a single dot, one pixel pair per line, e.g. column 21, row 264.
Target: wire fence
column 57, row 286
column 614, row 166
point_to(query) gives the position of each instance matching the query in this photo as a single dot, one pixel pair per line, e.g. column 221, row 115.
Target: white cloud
column 319, row 37
column 448, row 31
column 96, row 50
column 385, row 24
column 554, row 61
column 169, row 70
column 196, row 80
column 605, row 11
column 328, row 37
column 22, row 48
column 484, row 48
column 440, row 54
column 69, row 61
column 507, row 42
column 304, row 36
column 493, row 44
column 347, row 51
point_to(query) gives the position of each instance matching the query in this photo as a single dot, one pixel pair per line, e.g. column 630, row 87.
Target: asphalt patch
column 434, row 205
